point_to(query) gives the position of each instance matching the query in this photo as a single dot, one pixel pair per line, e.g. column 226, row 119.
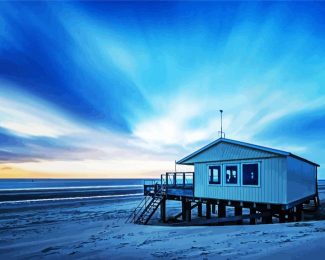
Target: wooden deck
column 179, row 186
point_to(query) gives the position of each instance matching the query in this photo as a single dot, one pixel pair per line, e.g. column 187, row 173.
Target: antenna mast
column 222, row 134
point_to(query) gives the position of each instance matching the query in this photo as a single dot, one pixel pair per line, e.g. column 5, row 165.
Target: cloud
column 61, row 62
column 15, row 148
column 308, row 125
column 109, row 85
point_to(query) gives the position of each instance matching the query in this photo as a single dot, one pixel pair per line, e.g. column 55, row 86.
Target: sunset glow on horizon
column 123, row 89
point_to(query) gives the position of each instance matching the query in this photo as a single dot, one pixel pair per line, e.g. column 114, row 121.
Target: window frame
column 238, row 174
column 258, row 174
column 220, row 174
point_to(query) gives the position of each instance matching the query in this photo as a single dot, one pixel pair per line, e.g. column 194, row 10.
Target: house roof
column 248, row 145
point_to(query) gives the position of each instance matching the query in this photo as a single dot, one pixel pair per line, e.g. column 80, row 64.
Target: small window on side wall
column 231, row 174
column 250, row 174
column 214, row 174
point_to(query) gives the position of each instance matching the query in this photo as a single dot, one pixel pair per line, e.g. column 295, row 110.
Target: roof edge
column 303, row 159
column 252, row 146
column 219, row 140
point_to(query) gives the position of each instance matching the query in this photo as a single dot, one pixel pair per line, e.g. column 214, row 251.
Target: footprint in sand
column 149, row 241
column 49, row 249
column 162, row 254
column 319, row 230
column 119, row 236
column 121, row 245
column 299, row 224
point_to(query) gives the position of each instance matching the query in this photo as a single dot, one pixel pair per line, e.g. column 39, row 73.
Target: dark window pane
column 250, row 174
column 231, row 174
column 214, row 174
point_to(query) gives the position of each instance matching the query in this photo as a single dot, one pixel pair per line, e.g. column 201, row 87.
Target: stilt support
column 221, row 210
column 239, row 212
column 213, row 208
column 252, row 221
column 208, row 210
column 267, row 218
column 299, row 212
column 282, row 216
column 163, row 211
column 183, row 210
column 188, row 214
column 199, row 209
column 291, row 214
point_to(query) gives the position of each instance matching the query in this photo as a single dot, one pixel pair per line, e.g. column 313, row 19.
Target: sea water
column 33, row 190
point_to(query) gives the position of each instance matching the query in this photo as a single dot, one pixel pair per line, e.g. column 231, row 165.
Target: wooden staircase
column 147, row 207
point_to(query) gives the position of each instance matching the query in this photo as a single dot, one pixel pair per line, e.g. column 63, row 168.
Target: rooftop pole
column 221, row 133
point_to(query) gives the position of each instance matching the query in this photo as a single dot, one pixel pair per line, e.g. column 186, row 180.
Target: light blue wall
column 301, row 179
column 271, row 189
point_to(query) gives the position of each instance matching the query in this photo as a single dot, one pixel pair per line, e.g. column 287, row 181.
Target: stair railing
column 135, row 212
column 158, row 192
column 144, row 203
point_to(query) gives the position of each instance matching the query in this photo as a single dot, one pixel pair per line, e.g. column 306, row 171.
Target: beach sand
column 95, row 229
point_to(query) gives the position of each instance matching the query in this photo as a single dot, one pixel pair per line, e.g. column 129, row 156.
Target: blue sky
column 118, row 89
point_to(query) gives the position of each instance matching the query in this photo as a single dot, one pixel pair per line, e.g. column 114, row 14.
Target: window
column 250, row 174
column 214, row 174
column 231, row 174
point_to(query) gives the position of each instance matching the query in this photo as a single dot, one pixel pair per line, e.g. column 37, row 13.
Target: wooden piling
column 188, row 214
column 163, row 211
column 221, row 210
column 238, row 212
column 213, row 208
column 291, row 215
column 299, row 212
column 183, row 210
column 282, row 216
column 252, row 221
column 267, row 218
column 208, row 210
column 199, row 209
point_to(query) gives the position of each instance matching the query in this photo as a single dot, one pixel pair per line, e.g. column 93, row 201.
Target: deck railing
column 151, row 186
column 178, row 179
column 171, row 183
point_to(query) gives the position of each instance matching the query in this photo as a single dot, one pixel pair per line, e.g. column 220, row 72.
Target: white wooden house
column 233, row 170
column 228, row 173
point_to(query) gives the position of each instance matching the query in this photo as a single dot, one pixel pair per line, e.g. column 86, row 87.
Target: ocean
column 14, row 191
column 20, row 191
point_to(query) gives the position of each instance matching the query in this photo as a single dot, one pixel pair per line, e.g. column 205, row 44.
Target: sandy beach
column 96, row 229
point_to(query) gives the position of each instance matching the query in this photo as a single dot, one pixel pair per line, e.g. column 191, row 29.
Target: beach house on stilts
column 227, row 173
